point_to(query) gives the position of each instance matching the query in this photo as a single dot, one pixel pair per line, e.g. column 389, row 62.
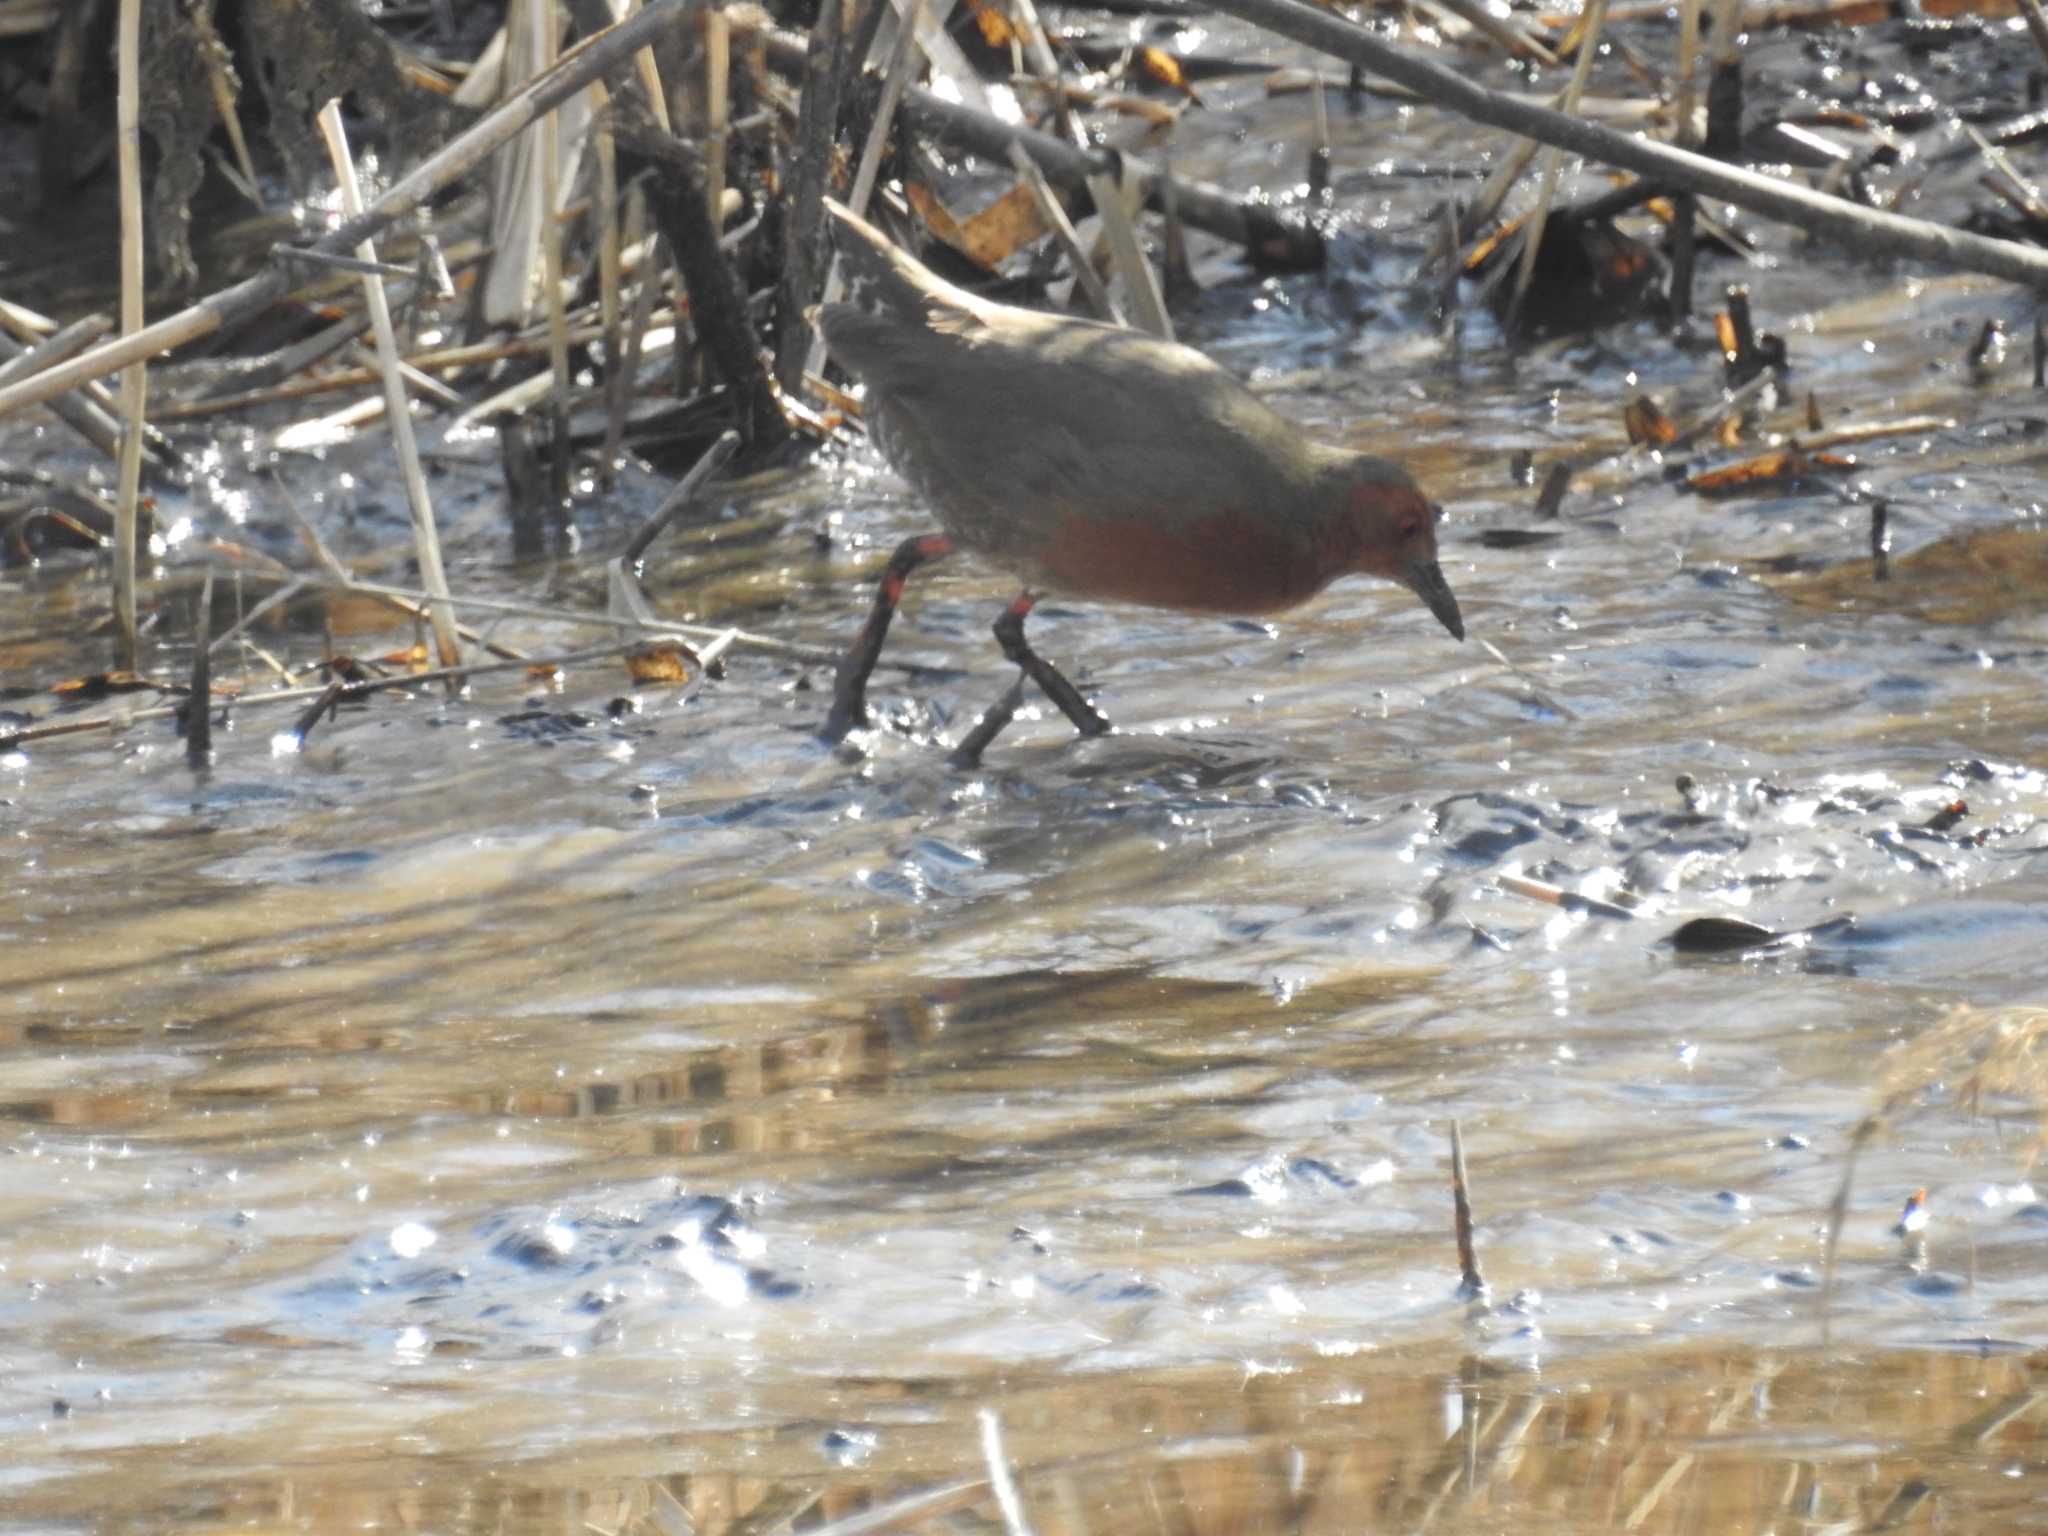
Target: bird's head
column 1394, row 526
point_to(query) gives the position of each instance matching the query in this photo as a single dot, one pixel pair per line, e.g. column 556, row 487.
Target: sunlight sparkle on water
column 724, row 1283
column 410, row 1239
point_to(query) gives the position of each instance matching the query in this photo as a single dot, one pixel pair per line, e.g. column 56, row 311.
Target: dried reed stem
column 426, row 537
column 1063, row 231
column 135, row 382
column 1114, row 198
column 199, row 702
column 546, row 48
column 51, row 350
column 626, row 367
column 714, row 459
column 717, row 108
column 1471, row 1284
column 609, row 266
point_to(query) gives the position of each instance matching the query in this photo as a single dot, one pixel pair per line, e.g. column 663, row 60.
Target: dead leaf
column 996, row 30
column 413, row 657
column 1647, row 423
column 1005, row 225
column 1725, row 334
column 1163, row 68
column 1764, row 471
column 1482, row 252
column 936, row 216
column 101, row 685
column 989, row 237
column 663, row 661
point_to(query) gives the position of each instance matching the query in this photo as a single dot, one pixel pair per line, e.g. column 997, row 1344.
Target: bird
column 1100, row 463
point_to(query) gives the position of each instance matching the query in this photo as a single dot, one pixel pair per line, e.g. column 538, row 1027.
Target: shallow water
column 515, row 1113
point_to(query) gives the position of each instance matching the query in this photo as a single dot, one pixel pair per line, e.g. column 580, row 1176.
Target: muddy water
column 538, row 1111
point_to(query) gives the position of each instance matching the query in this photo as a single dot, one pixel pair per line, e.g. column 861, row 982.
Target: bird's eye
column 1410, row 527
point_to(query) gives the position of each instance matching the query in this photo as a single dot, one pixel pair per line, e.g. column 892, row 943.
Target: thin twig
column 714, row 459
column 275, row 600
column 135, row 382
column 426, row 538
column 625, row 369
column 2037, row 23
column 717, row 33
column 53, row 349
column 1038, row 50
column 199, row 702
column 1471, row 1284
column 611, row 315
column 550, row 221
column 75, row 408
column 1113, row 204
column 1055, row 216
column 1684, row 132
column 1507, row 34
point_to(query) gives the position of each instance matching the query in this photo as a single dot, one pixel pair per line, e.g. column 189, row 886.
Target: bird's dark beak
column 1427, row 578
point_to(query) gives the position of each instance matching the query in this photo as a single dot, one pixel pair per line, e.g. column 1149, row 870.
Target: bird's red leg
column 1010, row 636
column 850, row 683
column 994, row 720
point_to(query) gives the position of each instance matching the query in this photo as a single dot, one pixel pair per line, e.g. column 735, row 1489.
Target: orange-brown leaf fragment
column 988, row 237
column 100, row 685
column 1483, row 251
column 1647, row 423
column 662, row 661
column 1164, row 68
column 996, row 30
column 1787, row 462
column 1747, row 474
column 937, row 217
column 1011, row 221
column 413, row 656
column 1724, row 333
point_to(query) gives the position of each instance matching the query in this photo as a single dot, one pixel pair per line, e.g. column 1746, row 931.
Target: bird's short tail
column 882, row 276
